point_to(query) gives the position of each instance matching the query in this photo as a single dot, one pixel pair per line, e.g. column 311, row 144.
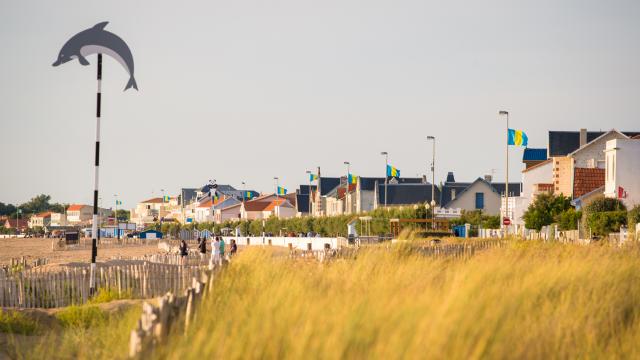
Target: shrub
column 568, row 219
column 82, row 317
column 545, row 210
column 105, row 295
column 603, row 223
column 633, row 217
column 14, row 322
column 602, row 204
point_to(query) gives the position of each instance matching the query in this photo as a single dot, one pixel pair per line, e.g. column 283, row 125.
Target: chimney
column 583, row 137
column 450, row 177
column 488, row 178
column 424, row 179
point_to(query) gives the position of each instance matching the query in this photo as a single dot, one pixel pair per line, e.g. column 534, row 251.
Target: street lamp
column 506, row 185
column 116, row 216
column 243, row 190
column 433, row 182
column 275, row 178
column 386, row 166
column 346, row 188
column 309, row 172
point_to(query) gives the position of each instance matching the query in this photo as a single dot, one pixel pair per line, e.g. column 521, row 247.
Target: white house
column 77, row 213
column 40, row 220
column 480, row 195
column 536, row 179
column 622, row 170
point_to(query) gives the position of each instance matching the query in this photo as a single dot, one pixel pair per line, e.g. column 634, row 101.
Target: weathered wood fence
column 46, row 289
column 104, row 243
column 172, row 311
column 194, row 258
column 24, row 263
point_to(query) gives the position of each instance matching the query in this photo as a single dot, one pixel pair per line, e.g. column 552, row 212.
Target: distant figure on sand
column 202, row 243
column 221, row 250
column 234, row 247
column 184, row 251
column 215, row 253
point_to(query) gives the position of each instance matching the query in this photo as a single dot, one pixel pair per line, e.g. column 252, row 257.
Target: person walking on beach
column 184, row 251
column 215, row 252
column 202, row 243
column 234, row 248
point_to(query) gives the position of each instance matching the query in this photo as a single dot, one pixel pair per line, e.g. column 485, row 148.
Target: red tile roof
column 11, row 223
column 156, row 200
column 256, row 205
column 75, row 207
column 44, row 214
column 275, row 203
column 586, row 180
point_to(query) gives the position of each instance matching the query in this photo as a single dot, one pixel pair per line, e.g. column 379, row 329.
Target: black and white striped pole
column 96, row 40
column 96, row 183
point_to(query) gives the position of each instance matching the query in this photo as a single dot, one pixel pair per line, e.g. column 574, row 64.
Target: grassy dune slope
column 526, row 301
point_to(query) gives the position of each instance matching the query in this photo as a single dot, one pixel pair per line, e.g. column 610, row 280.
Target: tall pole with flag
column 94, row 41
column 506, row 185
column 116, row 215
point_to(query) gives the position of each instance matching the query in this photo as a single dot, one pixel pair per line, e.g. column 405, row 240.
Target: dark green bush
column 603, row 223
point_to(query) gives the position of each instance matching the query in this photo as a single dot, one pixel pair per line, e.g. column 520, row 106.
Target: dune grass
column 85, row 332
column 528, row 300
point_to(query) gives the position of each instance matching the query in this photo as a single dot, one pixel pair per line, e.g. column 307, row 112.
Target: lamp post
column 506, row 185
column 116, row 216
column 346, row 188
column 309, row 172
column 243, row 190
column 433, row 182
column 276, row 179
column 386, row 166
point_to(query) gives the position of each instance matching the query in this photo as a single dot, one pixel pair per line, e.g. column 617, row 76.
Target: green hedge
column 603, row 223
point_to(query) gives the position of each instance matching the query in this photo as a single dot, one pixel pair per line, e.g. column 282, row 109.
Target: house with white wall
column 40, row 220
column 79, row 214
column 622, row 170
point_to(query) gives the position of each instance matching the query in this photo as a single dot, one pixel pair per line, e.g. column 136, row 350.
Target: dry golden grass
column 529, row 300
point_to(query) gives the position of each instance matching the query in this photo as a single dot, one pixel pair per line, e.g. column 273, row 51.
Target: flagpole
column 117, row 222
column 506, row 192
column 94, row 226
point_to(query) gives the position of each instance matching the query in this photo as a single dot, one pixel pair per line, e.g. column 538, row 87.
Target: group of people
column 217, row 249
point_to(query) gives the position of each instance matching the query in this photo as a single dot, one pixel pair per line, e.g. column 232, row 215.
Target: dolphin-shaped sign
column 96, row 40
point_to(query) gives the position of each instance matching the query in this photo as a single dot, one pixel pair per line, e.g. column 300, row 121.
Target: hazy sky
column 248, row 90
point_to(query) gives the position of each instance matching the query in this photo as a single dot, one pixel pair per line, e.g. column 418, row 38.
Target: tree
column 545, row 210
column 123, row 215
column 7, row 209
column 568, row 219
column 37, row 204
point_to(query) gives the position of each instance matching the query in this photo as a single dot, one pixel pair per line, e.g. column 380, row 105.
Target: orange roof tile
column 586, row 180
column 75, row 207
column 156, row 200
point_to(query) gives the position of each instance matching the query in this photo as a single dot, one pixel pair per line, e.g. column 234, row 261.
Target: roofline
column 596, row 139
column 538, row 165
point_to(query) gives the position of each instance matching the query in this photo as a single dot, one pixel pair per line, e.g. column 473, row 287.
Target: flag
column 166, row 198
column 352, row 179
column 118, row 202
column 517, row 137
column 621, row 193
column 313, row 177
column 282, row 191
column 392, row 172
column 248, row 195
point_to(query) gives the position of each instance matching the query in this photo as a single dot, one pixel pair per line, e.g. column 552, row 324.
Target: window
column 453, row 194
column 479, row 200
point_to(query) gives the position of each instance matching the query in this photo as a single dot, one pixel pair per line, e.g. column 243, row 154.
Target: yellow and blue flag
column 392, row 171
column 166, row 198
column 282, row 191
column 517, row 138
column 118, row 202
column 248, row 195
column 313, row 177
column 352, row 179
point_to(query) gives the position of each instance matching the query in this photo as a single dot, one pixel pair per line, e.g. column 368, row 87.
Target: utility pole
column 433, row 182
column 309, row 172
column 116, row 215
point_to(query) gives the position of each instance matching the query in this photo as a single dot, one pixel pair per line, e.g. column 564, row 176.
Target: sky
column 248, row 90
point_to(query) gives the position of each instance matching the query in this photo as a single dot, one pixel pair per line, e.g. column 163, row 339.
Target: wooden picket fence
column 459, row 251
column 172, row 314
column 103, row 243
column 192, row 259
column 46, row 289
